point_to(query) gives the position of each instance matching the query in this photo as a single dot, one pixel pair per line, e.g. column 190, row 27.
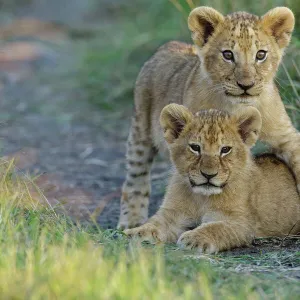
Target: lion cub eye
column 225, row 150
column 261, row 55
column 228, row 55
column 195, row 148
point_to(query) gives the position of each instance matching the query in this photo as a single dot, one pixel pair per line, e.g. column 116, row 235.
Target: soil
column 76, row 150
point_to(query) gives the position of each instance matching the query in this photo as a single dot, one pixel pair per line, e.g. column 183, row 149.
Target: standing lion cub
column 218, row 187
column 232, row 65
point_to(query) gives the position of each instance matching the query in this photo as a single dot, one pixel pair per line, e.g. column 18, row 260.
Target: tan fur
column 257, row 197
column 200, row 78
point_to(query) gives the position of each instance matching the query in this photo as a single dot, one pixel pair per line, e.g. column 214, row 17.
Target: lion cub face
column 211, row 148
column 241, row 52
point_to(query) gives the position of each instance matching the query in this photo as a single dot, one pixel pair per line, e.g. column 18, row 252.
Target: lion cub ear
column 173, row 119
column 249, row 124
column 279, row 22
column 202, row 22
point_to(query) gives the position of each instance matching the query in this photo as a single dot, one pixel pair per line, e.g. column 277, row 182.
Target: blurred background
column 67, row 72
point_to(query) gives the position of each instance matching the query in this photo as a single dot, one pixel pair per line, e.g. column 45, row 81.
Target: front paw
column 146, row 232
column 193, row 239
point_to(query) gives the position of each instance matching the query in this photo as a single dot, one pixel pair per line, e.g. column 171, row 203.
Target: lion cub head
column 211, row 148
column 240, row 52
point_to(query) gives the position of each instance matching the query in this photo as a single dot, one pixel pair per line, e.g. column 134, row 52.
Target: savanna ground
column 66, row 103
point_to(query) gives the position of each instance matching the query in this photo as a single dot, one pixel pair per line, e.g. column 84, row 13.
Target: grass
column 46, row 256
column 111, row 64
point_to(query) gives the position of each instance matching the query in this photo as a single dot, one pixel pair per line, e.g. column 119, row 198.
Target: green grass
column 45, row 256
column 131, row 33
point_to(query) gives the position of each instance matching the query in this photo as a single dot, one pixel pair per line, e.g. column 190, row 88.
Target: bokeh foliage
column 132, row 31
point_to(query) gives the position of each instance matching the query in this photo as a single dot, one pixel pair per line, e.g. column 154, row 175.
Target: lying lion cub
column 218, row 187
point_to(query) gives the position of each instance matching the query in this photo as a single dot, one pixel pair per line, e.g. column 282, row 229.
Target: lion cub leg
column 136, row 188
column 165, row 226
column 216, row 236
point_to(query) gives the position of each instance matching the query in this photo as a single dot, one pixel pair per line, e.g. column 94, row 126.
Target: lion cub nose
column 245, row 86
column 208, row 176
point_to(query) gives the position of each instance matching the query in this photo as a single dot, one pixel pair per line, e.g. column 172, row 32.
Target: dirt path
column 47, row 125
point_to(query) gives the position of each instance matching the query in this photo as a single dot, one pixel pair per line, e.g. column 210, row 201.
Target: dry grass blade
column 296, row 68
column 289, row 234
column 191, row 4
column 179, row 8
column 291, row 83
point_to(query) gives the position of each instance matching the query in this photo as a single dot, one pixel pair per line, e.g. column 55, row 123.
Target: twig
column 281, row 244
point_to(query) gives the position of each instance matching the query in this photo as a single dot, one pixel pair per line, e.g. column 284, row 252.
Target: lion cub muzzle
column 206, row 184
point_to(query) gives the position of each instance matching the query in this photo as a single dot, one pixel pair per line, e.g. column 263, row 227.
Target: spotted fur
column 201, row 78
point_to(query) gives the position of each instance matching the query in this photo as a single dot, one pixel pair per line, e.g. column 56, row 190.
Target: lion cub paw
column 193, row 239
column 146, row 232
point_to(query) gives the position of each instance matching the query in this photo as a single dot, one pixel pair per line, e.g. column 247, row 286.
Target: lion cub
column 231, row 65
column 218, row 187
